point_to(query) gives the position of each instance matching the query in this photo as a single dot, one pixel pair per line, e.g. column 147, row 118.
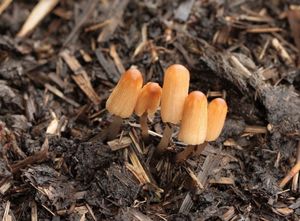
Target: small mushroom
column 193, row 125
column 174, row 91
column 147, row 104
column 217, row 111
column 122, row 100
column 216, row 115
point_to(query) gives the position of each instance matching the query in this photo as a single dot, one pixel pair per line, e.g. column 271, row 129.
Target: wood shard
column 263, row 29
column 195, row 178
column 90, row 6
column 118, row 144
column 282, row 52
column 114, row 54
column 4, row 5
column 285, row 211
column 115, row 15
column 58, row 93
column 80, row 77
column 222, row 180
column 229, row 214
column 183, row 11
column 40, row 156
column 39, row 12
column 294, row 21
column 240, row 67
column 5, row 186
column 295, row 169
column 210, row 163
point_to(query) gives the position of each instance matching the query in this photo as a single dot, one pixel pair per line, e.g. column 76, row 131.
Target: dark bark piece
column 108, row 66
column 294, row 21
column 183, row 11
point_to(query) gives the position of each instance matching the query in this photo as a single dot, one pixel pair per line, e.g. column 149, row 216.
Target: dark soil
column 53, row 163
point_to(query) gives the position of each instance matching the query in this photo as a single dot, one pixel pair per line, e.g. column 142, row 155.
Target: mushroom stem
column 165, row 140
column 189, row 151
column 144, row 127
column 114, row 128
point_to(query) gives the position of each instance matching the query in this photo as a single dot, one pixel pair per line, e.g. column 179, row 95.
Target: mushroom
column 217, row 111
column 216, row 115
column 174, row 91
column 147, row 103
column 122, row 100
column 193, row 125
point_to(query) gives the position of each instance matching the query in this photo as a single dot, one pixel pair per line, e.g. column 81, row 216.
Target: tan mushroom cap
column 122, row 100
column 174, row 91
column 194, row 119
column 217, row 111
column 149, row 99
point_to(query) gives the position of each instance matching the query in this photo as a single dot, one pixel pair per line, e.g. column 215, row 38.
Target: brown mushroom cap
column 217, row 111
column 175, row 90
column 122, row 100
column 149, row 99
column 194, row 119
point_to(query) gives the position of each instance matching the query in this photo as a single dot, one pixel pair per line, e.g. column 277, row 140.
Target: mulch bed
column 55, row 79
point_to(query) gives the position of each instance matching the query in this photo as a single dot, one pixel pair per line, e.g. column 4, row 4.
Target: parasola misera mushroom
column 217, row 111
column 193, row 125
column 174, row 91
column 122, row 100
column 147, row 103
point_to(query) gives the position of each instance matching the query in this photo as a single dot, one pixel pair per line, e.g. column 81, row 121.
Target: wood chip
column 116, row 14
column 222, row 180
column 229, row 214
column 282, row 52
column 183, row 11
column 210, row 163
column 34, row 213
column 90, row 6
column 195, row 178
column 256, row 129
column 40, row 156
column 58, row 93
column 4, row 5
column 6, row 216
column 108, row 66
column 295, row 183
column 80, row 77
column 294, row 21
column 114, row 54
column 263, row 29
column 295, row 169
column 5, row 186
column 285, row 211
column 39, row 12
column 118, row 144
column 240, row 67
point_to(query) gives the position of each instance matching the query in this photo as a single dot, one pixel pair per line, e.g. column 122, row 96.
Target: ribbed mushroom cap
column 122, row 100
column 217, row 111
column 149, row 99
column 175, row 90
column 194, row 119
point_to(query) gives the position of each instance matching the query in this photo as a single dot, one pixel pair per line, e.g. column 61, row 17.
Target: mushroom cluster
column 200, row 122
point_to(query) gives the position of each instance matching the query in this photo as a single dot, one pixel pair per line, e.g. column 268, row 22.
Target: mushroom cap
column 217, row 111
column 174, row 91
column 194, row 119
column 122, row 100
column 148, row 99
